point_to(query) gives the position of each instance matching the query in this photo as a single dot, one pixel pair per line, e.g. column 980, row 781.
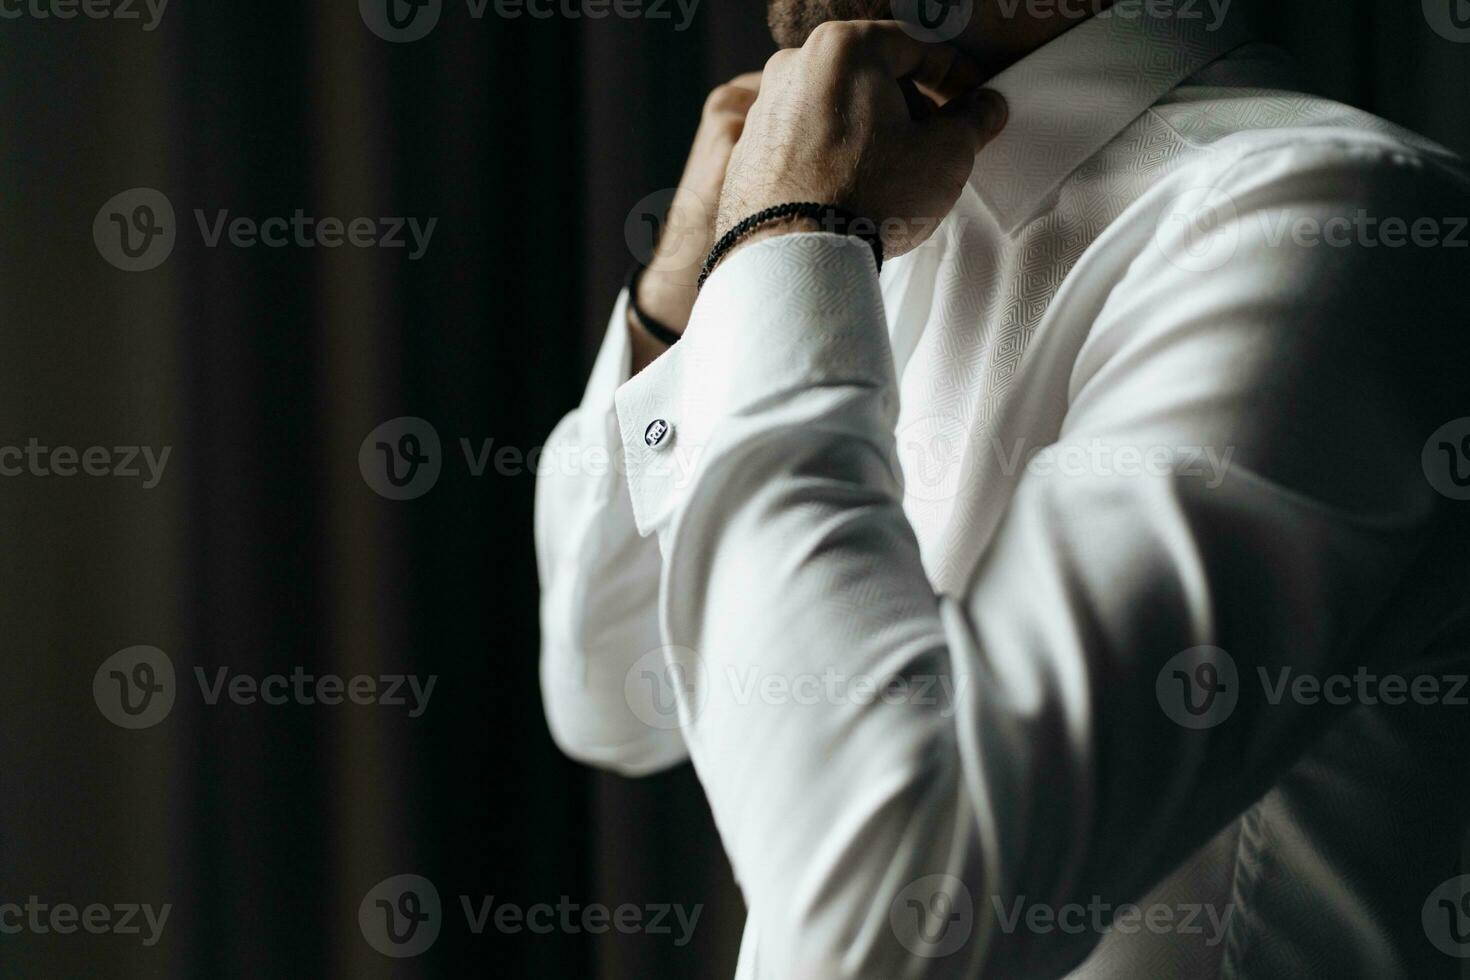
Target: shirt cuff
column 779, row 316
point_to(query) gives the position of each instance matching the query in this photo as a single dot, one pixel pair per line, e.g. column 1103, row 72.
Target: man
column 1083, row 593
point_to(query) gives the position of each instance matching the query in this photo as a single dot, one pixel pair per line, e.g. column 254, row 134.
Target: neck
column 1002, row 32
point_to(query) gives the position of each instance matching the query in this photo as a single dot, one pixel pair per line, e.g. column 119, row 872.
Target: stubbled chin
column 793, row 20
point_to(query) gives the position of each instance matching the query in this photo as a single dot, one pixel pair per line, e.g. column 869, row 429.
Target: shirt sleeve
column 599, row 586
column 893, row 770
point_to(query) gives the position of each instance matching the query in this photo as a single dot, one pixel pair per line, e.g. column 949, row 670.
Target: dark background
column 263, row 548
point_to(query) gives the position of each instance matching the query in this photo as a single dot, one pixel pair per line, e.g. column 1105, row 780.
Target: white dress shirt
column 968, row 587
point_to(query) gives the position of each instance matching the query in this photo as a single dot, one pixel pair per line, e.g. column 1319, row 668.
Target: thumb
column 980, row 115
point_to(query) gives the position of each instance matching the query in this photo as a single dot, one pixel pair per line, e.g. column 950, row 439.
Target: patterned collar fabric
column 1071, row 97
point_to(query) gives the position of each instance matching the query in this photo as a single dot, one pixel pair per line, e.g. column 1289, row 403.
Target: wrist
column 786, row 226
column 643, row 350
column 667, row 300
column 655, row 318
column 790, row 218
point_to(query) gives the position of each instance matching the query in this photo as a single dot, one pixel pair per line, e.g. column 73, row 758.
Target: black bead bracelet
column 829, row 216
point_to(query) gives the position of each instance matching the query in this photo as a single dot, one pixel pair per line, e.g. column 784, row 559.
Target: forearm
column 665, row 298
column 824, row 780
column 1008, row 761
column 599, row 586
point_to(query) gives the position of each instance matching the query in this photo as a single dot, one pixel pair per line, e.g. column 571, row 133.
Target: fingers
column 976, row 117
column 733, row 99
column 777, row 63
column 969, row 115
column 751, row 80
column 921, row 104
column 730, row 99
column 937, row 68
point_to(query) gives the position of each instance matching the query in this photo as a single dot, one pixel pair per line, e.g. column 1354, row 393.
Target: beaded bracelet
column 829, row 216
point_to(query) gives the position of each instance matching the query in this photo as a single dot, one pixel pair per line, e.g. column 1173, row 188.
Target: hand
column 839, row 121
column 667, row 289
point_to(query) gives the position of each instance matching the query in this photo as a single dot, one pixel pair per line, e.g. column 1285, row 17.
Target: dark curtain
column 262, row 549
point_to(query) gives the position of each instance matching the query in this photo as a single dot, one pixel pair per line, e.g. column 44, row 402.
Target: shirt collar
column 1072, row 96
